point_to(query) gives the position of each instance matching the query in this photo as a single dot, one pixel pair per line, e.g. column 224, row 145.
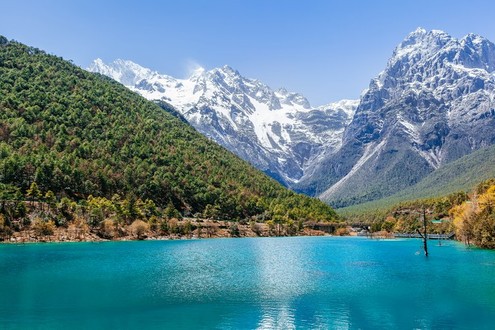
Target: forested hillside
column 470, row 216
column 79, row 135
column 460, row 175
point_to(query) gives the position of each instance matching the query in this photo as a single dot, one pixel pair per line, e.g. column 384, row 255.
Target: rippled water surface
column 284, row 283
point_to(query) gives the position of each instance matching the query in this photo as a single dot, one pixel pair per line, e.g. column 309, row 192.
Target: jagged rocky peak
column 433, row 103
column 126, row 72
column 227, row 75
column 277, row 131
column 291, row 98
column 479, row 52
column 426, row 47
column 228, row 70
column 430, row 74
column 421, row 42
column 424, row 56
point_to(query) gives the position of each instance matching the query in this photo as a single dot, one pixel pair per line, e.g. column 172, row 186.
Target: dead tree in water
column 424, row 235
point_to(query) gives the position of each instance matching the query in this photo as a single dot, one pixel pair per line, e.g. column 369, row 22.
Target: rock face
column 433, row 103
column 276, row 131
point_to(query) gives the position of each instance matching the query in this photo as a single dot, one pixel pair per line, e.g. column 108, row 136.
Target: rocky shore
column 191, row 229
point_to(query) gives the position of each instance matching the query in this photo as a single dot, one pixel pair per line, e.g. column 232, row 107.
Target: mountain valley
column 433, row 103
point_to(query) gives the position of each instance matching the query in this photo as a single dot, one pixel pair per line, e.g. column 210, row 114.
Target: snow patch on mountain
column 276, row 130
column 369, row 151
column 433, row 103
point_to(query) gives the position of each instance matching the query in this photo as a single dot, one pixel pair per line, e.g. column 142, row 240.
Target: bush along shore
column 81, row 151
column 471, row 217
column 43, row 218
column 185, row 228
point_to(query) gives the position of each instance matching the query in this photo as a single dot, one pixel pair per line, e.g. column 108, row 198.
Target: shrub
column 107, row 229
column 343, row 231
column 139, row 228
column 43, row 228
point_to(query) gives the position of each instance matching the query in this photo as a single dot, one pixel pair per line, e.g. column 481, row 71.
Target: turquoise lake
column 284, row 283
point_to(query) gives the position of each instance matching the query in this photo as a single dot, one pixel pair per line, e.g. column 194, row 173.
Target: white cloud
column 192, row 67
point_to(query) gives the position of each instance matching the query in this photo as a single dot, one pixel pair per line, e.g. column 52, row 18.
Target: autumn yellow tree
column 484, row 220
column 486, row 201
column 474, row 220
column 462, row 216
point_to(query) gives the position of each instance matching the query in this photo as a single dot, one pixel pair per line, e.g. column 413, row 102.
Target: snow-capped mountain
column 277, row 131
column 433, row 103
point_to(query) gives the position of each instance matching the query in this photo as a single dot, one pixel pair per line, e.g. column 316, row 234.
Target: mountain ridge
column 432, row 104
column 79, row 137
column 276, row 130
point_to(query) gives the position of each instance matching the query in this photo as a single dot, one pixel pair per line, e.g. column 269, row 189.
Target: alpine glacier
column 433, row 103
column 277, row 131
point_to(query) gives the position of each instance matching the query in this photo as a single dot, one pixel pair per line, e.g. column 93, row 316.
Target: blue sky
column 327, row 50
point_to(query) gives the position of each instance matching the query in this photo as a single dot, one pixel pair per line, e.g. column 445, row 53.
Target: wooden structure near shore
column 430, row 236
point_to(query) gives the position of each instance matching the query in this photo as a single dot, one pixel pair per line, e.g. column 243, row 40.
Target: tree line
column 82, row 137
column 470, row 216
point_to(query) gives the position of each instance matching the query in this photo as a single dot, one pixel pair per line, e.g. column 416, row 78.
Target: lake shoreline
column 17, row 241
column 202, row 230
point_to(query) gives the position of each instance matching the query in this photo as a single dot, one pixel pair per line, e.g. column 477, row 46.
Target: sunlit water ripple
column 265, row 283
